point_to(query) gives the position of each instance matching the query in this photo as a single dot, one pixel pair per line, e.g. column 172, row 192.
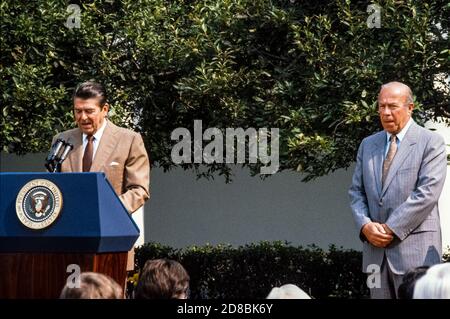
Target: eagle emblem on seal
column 39, row 203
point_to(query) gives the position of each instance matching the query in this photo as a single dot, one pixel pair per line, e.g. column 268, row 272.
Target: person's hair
column 162, row 279
column 288, row 291
column 409, row 94
column 89, row 90
column 406, row 288
column 435, row 284
column 93, row 286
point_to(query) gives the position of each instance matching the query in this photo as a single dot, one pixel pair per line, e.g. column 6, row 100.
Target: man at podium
column 101, row 146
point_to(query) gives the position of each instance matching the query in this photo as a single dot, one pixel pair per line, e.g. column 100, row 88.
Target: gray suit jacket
column 408, row 202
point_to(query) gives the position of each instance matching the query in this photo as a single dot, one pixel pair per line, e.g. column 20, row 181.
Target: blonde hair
column 288, row 291
column 93, row 286
column 435, row 284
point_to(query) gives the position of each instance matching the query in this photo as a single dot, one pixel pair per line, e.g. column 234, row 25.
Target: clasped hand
column 379, row 235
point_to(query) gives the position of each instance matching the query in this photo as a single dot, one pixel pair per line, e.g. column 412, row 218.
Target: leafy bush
column 310, row 68
column 251, row 271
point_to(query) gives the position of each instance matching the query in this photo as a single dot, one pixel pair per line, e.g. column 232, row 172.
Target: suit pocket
column 408, row 170
column 429, row 224
column 114, row 174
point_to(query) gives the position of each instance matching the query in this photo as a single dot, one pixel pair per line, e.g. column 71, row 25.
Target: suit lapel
column 377, row 155
column 406, row 146
column 76, row 155
column 107, row 145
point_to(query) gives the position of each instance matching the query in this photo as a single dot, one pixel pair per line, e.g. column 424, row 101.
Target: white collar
column 402, row 133
column 98, row 134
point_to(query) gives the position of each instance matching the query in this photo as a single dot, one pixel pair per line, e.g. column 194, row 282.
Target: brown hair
column 93, row 286
column 162, row 279
column 89, row 90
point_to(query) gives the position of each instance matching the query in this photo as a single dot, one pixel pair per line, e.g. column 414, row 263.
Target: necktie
column 389, row 157
column 88, row 153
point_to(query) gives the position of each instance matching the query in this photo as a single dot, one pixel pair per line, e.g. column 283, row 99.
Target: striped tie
column 389, row 157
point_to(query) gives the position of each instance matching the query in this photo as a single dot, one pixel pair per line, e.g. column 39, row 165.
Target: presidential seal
column 38, row 204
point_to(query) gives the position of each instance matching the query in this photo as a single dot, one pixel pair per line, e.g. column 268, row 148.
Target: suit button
column 380, row 203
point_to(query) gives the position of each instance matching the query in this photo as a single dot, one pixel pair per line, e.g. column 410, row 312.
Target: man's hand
column 387, row 230
column 377, row 235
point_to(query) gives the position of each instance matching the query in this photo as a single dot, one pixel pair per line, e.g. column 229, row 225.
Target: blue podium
column 55, row 224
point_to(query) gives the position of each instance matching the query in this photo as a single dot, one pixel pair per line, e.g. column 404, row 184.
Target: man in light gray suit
column 396, row 185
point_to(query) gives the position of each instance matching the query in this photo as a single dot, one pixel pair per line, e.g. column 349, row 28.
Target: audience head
column 406, row 289
column 288, row 291
column 435, row 284
column 162, row 279
column 93, row 286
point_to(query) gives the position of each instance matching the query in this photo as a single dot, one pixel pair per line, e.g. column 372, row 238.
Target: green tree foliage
column 310, row 68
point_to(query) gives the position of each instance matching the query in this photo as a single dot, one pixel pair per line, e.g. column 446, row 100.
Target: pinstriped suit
column 408, row 201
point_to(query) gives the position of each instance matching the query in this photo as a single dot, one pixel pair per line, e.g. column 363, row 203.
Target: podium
column 41, row 250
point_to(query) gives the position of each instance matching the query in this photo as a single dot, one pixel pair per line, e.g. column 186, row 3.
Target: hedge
column 251, row 271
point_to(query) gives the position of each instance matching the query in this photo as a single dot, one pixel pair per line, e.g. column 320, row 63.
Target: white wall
column 184, row 211
column 444, row 201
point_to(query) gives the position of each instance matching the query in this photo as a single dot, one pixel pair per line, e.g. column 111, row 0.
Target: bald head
column 399, row 88
column 395, row 105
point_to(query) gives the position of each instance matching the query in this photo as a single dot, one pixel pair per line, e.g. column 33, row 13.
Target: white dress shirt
column 96, row 141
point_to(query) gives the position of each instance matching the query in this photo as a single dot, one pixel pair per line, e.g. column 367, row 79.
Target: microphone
column 55, row 150
column 57, row 155
column 67, row 148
